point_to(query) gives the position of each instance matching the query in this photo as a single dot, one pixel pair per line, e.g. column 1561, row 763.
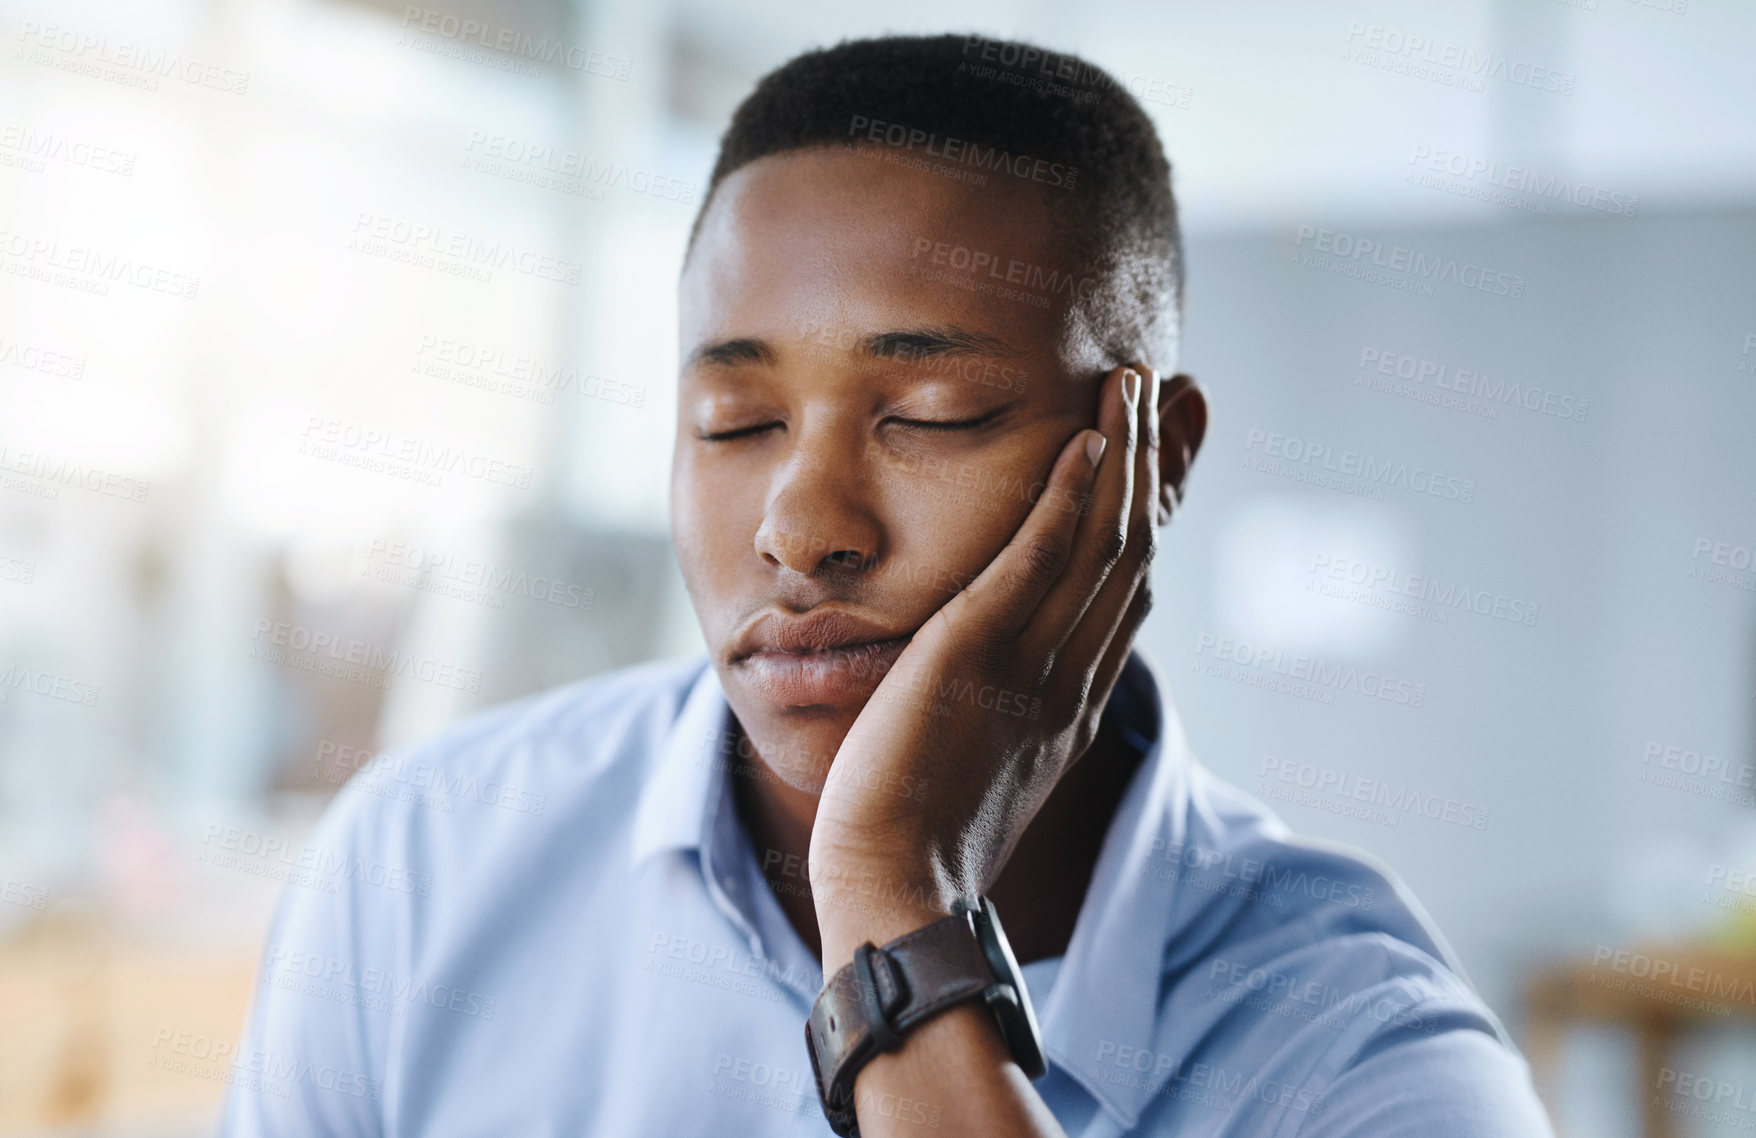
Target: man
column 926, row 433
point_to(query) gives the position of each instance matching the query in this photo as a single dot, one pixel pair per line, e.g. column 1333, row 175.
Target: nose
column 818, row 520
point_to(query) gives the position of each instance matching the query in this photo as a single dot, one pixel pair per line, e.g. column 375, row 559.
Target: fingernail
column 1094, row 447
column 1131, row 387
column 1153, row 412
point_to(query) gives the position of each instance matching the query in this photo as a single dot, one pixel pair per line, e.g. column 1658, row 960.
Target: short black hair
column 1006, row 106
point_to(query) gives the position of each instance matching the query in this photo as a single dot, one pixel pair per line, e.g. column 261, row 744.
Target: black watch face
column 1018, row 1020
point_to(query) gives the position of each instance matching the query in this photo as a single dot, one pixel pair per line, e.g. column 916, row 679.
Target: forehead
column 838, row 237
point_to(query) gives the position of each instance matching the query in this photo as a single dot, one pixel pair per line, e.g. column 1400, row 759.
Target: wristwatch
column 871, row 1004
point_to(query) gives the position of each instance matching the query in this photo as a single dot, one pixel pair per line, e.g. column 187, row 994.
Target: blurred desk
column 1657, row 992
column 103, row 1034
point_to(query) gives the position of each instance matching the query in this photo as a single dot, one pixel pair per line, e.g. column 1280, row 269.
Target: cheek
column 706, row 527
column 952, row 518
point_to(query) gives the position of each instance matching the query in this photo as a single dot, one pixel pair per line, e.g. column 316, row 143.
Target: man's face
column 888, row 390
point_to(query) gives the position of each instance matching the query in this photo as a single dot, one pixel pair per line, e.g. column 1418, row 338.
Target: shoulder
column 587, row 719
column 509, row 803
column 1241, row 877
column 424, row 848
column 1264, row 900
column 1437, row 1084
column 539, row 782
column 1311, row 964
column 521, row 756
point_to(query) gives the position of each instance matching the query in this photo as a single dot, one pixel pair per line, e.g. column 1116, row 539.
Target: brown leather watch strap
column 868, row 1006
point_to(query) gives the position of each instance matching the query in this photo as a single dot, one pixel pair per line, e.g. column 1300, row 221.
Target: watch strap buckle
column 871, row 962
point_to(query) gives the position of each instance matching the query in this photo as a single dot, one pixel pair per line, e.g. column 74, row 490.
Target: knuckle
column 1108, row 545
column 1145, row 544
column 1085, row 734
column 1044, row 557
column 989, row 656
column 1142, row 602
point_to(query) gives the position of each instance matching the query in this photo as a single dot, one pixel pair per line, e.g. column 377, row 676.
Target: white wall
column 1596, row 521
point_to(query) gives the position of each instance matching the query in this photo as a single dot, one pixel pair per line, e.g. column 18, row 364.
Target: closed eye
column 918, row 424
column 952, row 424
column 727, row 436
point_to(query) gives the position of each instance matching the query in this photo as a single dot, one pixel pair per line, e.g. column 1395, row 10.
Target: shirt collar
column 681, row 796
column 688, row 805
column 1107, row 988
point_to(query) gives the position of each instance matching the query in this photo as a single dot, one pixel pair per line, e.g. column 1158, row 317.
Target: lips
column 824, row 658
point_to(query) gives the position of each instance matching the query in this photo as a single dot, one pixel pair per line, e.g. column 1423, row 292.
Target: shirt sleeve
column 304, row 1065
column 1460, row 1083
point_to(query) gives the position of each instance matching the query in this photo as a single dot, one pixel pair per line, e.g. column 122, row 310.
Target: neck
column 1040, row 890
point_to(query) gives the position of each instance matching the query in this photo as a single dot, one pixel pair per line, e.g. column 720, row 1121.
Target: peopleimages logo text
column 431, row 241
column 1461, row 58
column 1361, row 465
column 91, row 53
column 1011, row 270
column 1401, row 259
column 1474, row 384
column 1312, row 669
column 958, row 151
column 1523, row 179
column 512, row 41
column 94, row 267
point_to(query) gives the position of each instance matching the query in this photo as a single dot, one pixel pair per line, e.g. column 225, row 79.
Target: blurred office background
column 243, row 244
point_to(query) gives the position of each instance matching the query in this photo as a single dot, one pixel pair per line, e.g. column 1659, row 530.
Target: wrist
column 856, row 907
column 845, row 931
column 933, row 1005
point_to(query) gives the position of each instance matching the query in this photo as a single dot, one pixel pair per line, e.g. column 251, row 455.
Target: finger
column 1109, row 668
column 1106, row 617
column 1035, row 566
column 998, row 603
column 1103, row 533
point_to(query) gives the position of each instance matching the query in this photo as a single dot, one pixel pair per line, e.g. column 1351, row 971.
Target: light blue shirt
column 550, row 921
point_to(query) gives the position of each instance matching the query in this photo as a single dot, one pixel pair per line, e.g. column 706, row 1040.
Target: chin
column 796, row 746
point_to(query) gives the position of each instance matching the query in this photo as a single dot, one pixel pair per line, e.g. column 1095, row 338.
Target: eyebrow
column 930, row 343
column 911, row 344
column 730, row 353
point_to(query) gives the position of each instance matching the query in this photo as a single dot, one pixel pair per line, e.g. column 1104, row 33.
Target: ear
column 1182, row 424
